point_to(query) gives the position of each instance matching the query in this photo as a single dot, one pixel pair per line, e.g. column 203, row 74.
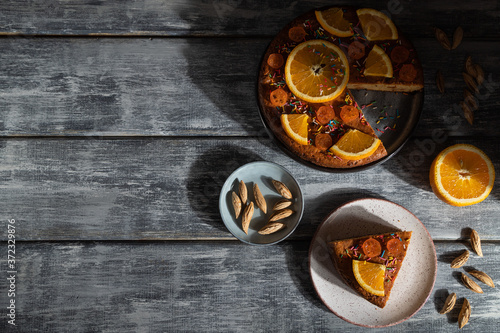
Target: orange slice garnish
column 333, row 21
column 378, row 63
column 462, row 175
column 376, row 25
column 296, row 126
column 370, row 276
column 317, row 71
column 355, row 145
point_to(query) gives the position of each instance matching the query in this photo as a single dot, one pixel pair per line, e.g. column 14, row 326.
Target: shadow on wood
column 207, row 175
column 318, row 208
column 449, row 256
column 439, row 298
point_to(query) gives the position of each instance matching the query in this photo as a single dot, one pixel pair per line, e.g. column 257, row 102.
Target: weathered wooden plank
column 226, row 17
column 189, row 87
column 212, row 286
column 169, row 188
column 129, row 87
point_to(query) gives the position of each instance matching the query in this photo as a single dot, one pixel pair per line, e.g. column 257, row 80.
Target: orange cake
column 309, row 69
column 371, row 264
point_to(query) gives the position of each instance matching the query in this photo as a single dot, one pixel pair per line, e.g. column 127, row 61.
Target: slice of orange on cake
column 370, row 264
column 378, row 63
column 370, row 276
column 333, row 21
column 317, row 71
column 296, row 127
column 355, row 145
column 376, row 25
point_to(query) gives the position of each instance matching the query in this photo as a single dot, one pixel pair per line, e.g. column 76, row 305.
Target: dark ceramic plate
column 393, row 116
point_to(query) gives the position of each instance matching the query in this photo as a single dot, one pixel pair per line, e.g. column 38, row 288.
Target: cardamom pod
column 282, row 189
column 442, row 39
column 460, row 260
column 470, row 82
column 469, row 283
column 469, row 67
column 259, row 198
column 470, row 100
column 475, row 242
column 247, row 217
column 468, row 113
column 440, row 81
column 243, row 192
column 479, row 74
column 483, row 277
column 280, row 214
column 464, row 315
column 449, row 303
column 236, row 204
column 457, row 37
column 271, row 228
column 283, row 203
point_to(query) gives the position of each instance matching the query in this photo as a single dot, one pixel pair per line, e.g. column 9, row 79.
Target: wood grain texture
column 169, row 188
column 190, row 87
column 189, row 286
column 226, row 17
column 113, row 152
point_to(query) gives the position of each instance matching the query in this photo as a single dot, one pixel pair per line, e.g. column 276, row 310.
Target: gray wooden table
column 119, row 122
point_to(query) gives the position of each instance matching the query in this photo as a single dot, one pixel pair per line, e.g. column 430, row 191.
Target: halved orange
column 378, row 63
column 376, row 25
column 355, row 145
column 370, row 276
column 296, row 126
column 333, row 21
column 317, row 71
column 462, row 175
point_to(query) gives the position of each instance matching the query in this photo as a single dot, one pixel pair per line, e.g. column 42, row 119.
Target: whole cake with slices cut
column 370, row 264
column 307, row 73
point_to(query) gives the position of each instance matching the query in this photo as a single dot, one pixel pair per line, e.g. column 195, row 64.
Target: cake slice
column 342, row 115
column 370, row 264
column 406, row 73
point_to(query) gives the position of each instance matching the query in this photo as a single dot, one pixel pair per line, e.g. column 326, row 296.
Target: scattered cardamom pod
column 271, row 228
column 449, row 303
column 469, row 283
column 236, row 204
column 457, row 37
column 247, row 217
column 440, row 81
column 283, row 203
column 442, row 39
column 280, row 214
column 469, row 67
column 483, row 277
column 460, row 260
column 282, row 189
column 470, row 100
column 470, row 82
column 243, row 192
column 479, row 74
column 464, row 315
column 468, row 113
column 475, row 242
column 259, row 198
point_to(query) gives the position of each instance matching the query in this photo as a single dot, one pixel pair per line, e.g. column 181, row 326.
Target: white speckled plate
column 416, row 277
column 262, row 173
